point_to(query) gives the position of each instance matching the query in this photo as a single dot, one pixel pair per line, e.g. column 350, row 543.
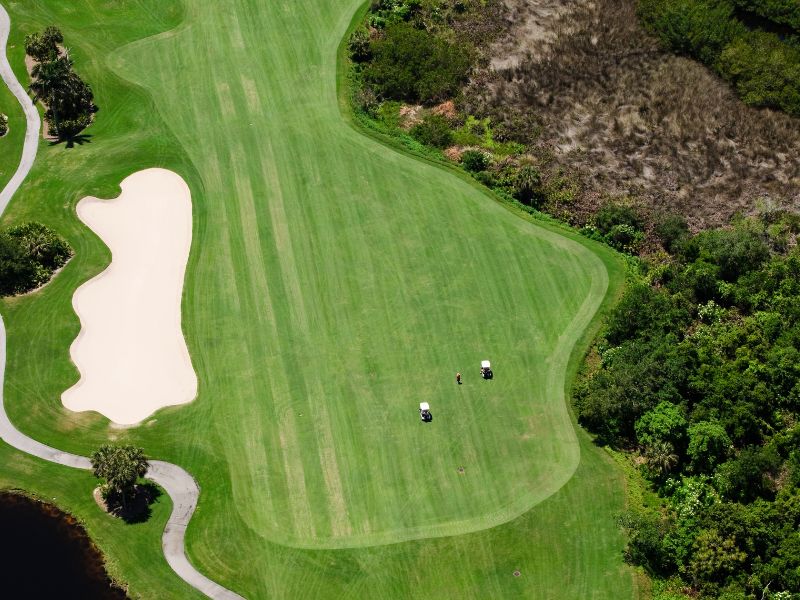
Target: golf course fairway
column 333, row 284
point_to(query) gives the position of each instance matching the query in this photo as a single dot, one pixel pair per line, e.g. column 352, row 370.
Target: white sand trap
column 130, row 352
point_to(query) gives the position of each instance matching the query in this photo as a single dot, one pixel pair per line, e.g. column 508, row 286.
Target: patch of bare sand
column 130, row 352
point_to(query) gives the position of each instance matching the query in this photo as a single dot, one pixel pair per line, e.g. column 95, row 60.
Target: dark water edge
column 45, row 553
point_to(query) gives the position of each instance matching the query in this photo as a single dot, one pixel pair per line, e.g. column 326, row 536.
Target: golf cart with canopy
column 425, row 412
column 486, row 370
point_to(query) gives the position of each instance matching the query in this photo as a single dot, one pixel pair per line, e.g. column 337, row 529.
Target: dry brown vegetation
column 600, row 100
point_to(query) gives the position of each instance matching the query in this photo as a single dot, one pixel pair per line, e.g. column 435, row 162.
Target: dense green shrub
column 709, row 445
column 734, row 251
column 645, row 312
column 784, row 12
column 358, row 45
column 3, row 124
column 414, row 66
column 646, row 531
column 475, row 160
column 384, row 12
column 487, row 178
column 611, row 215
column 29, row 254
column 434, row 130
column 763, row 68
column 17, row 271
column 42, row 244
column 620, row 226
column 672, row 230
column 664, row 423
column 709, row 396
column 699, row 28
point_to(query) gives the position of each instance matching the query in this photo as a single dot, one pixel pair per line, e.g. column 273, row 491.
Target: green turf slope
column 333, row 284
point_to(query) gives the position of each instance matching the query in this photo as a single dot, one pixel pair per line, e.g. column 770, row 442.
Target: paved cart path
column 180, row 486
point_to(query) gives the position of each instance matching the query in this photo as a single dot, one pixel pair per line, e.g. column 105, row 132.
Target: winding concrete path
column 181, row 487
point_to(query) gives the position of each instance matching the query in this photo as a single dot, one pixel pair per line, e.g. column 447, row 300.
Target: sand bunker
column 130, row 352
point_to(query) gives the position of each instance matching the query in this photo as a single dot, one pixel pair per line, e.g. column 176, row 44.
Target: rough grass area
column 333, row 285
column 633, row 120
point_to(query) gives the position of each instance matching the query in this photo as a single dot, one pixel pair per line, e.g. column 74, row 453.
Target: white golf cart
column 425, row 412
column 486, row 369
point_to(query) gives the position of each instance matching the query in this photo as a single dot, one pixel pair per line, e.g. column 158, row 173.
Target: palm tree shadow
column 70, row 142
column 137, row 508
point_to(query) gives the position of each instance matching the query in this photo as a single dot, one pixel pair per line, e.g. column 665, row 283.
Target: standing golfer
column 458, row 378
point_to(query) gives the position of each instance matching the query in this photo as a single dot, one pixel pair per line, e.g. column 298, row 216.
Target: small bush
column 475, row 161
column 672, row 230
column 611, row 215
column 433, row 131
column 358, row 45
column 487, row 178
column 3, row 124
column 367, row 101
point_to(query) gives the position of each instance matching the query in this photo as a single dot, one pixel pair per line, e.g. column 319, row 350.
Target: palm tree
column 49, row 76
column 121, row 467
column 528, row 180
column 661, row 457
column 51, row 82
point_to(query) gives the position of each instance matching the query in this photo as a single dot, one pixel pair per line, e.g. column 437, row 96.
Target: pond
column 45, row 553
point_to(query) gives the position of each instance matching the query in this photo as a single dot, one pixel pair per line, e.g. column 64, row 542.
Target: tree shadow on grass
column 136, row 509
column 70, row 142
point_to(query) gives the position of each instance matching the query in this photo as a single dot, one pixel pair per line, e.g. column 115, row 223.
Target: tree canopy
column 760, row 56
column 120, row 467
column 29, row 255
column 700, row 375
column 411, row 65
column 69, row 100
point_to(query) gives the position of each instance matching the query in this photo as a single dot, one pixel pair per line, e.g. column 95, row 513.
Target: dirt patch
column 630, row 120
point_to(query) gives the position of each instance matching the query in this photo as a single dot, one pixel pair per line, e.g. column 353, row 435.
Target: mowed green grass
column 333, row 285
column 11, row 143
